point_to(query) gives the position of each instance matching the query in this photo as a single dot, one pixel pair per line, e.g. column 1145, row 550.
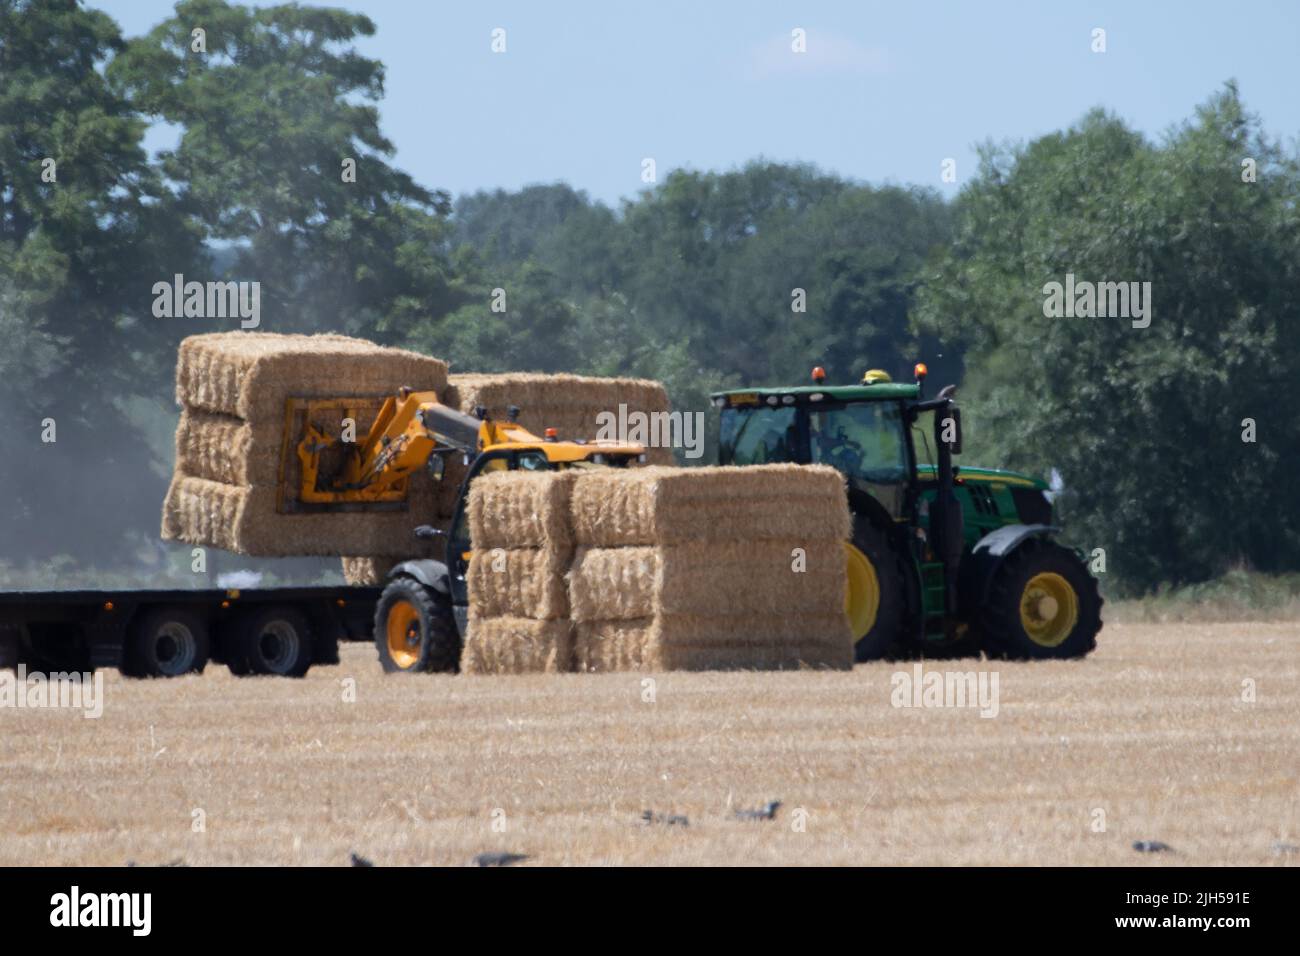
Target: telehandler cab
column 422, row 615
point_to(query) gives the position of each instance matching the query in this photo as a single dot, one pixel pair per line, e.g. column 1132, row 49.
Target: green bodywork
column 989, row 498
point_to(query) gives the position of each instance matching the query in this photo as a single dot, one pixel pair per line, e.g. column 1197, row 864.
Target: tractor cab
column 929, row 539
column 863, row 431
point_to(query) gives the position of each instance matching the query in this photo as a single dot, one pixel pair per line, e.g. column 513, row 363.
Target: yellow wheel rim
column 404, row 634
column 862, row 596
column 1049, row 609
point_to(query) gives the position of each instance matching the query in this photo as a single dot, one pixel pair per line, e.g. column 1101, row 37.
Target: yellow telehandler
column 422, row 613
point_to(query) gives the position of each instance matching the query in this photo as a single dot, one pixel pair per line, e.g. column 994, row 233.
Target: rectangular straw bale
column 518, row 582
column 708, row 579
column 520, row 509
column 250, row 374
column 367, row 572
column 517, row 645
column 243, row 519
column 741, row 642
column 228, row 449
column 658, row 505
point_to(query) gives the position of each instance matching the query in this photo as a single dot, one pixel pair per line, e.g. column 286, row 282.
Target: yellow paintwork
column 1049, row 609
column 875, row 376
column 398, row 444
column 862, row 595
column 403, row 634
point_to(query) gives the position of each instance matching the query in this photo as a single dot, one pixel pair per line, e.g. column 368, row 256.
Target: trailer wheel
column 414, row 629
column 9, row 644
column 166, row 642
column 274, row 640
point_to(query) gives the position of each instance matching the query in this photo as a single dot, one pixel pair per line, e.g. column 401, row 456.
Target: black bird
column 1152, row 846
column 498, row 859
column 768, row 812
column 360, row 861
column 668, row 820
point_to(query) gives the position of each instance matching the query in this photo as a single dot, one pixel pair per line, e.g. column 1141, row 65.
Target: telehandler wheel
column 876, row 598
column 274, row 640
column 1042, row 604
column 414, row 629
column 165, row 642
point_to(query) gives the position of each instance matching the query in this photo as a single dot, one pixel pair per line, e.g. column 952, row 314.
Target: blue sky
column 885, row 92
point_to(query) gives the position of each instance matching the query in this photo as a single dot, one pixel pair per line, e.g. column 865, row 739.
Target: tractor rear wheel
column 1042, row 604
column 876, row 598
column 414, row 629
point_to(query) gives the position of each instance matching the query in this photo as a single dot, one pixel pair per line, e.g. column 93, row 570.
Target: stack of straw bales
column 232, row 388
column 710, row 568
column 518, row 601
column 667, row 569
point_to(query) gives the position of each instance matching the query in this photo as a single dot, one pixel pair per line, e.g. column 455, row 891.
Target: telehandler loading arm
column 409, row 430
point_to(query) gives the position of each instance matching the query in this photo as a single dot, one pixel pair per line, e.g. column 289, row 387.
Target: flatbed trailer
column 168, row 633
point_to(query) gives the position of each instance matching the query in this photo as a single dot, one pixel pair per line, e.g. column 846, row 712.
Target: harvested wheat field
column 1151, row 732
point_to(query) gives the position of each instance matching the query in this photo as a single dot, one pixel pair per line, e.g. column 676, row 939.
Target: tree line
column 704, row 280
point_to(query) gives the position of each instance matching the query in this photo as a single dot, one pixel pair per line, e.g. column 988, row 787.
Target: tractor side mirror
column 947, row 426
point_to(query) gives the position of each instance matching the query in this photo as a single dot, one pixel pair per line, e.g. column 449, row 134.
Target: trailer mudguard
column 979, row 565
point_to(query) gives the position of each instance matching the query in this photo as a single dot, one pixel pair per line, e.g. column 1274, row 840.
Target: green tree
column 83, row 234
column 278, row 111
column 1145, row 425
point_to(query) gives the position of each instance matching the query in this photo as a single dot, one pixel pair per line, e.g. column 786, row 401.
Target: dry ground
column 1151, row 730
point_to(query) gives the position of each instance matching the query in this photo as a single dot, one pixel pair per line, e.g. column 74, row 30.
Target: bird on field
column 668, row 820
column 498, row 859
column 1152, row 846
column 768, row 812
column 360, row 861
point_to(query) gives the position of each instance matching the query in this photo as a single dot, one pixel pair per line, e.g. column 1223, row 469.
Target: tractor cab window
column 758, row 435
column 865, row 441
column 923, row 440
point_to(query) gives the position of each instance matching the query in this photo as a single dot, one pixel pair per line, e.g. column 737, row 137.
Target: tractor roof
column 840, row 393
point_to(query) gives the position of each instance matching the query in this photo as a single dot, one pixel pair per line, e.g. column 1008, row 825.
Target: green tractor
column 945, row 561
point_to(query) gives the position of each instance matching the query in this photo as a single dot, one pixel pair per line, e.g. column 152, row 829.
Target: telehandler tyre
column 1042, row 604
column 414, row 629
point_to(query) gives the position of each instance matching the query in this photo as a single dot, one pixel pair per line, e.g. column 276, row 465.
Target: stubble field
column 1154, row 737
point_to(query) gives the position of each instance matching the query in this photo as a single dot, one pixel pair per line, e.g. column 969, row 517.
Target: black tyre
column 414, row 629
column 885, row 631
column 1042, row 604
column 273, row 640
column 166, row 642
column 10, row 644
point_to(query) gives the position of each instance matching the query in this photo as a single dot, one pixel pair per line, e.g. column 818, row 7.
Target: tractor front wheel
column 414, row 629
column 1042, row 604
